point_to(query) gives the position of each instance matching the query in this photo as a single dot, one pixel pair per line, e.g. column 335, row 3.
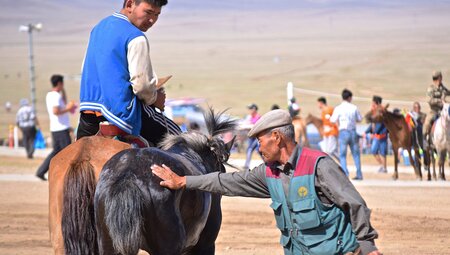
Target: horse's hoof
column 394, row 177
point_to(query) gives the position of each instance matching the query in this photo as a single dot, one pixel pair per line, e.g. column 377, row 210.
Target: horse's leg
column 395, row 175
column 55, row 180
column 442, row 157
column 413, row 163
column 165, row 233
column 427, row 162
column 304, row 136
column 418, row 161
column 433, row 161
column 206, row 242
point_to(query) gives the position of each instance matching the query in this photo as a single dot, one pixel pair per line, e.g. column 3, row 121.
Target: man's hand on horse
column 169, row 179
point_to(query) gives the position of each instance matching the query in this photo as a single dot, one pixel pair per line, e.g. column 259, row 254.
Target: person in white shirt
column 346, row 115
column 58, row 111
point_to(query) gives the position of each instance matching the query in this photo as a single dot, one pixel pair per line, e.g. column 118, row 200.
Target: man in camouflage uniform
column 435, row 92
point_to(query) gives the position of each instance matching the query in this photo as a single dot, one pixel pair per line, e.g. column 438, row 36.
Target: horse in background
column 441, row 140
column 132, row 211
column 300, row 131
column 316, row 121
column 72, row 178
column 400, row 135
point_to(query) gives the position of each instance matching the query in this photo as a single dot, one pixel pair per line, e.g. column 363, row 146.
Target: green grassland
column 236, row 57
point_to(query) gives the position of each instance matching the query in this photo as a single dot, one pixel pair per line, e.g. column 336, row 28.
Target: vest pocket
column 284, row 240
column 323, row 235
column 305, row 215
column 278, row 211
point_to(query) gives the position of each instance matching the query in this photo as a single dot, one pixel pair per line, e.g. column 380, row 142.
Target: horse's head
column 211, row 149
column 377, row 113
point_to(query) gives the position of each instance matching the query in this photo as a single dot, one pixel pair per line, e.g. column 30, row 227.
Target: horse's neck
column 317, row 122
column 189, row 158
column 392, row 123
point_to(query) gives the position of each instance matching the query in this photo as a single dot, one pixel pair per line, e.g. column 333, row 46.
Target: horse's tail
column 78, row 219
column 123, row 205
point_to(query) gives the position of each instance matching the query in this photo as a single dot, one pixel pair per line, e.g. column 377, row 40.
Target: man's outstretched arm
column 249, row 183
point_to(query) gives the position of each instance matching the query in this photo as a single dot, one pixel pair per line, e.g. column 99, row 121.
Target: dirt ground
column 410, row 219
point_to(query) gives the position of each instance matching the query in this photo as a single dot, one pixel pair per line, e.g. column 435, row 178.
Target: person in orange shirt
column 330, row 130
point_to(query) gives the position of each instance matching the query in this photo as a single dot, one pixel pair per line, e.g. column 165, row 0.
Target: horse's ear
column 387, row 105
column 229, row 144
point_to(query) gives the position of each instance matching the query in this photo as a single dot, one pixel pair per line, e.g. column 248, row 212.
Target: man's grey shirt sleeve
column 248, row 183
column 332, row 181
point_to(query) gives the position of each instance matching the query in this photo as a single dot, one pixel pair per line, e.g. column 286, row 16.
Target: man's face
column 268, row 146
column 143, row 15
column 437, row 81
column 320, row 105
column 59, row 86
column 374, row 105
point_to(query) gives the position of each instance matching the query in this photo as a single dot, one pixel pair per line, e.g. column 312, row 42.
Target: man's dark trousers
column 60, row 140
column 29, row 134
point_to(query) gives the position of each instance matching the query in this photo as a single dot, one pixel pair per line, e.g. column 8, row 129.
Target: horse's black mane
column 216, row 124
column 395, row 115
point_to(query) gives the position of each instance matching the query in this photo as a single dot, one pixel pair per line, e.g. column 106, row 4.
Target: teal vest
column 307, row 225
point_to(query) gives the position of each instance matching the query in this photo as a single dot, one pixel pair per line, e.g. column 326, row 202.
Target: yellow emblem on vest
column 302, row 191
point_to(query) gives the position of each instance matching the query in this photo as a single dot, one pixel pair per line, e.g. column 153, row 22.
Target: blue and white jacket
column 117, row 74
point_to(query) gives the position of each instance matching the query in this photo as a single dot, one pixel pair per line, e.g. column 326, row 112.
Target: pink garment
column 254, row 119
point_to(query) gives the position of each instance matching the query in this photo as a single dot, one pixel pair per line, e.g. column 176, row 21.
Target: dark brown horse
column 400, row 135
column 317, row 122
column 132, row 211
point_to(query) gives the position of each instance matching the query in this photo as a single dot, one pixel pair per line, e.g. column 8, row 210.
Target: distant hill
column 236, row 52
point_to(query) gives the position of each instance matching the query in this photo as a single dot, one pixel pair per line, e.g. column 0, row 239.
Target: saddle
column 410, row 121
column 109, row 130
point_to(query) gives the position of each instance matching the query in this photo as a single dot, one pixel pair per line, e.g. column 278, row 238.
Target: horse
column 300, row 131
column 441, row 140
column 131, row 211
column 400, row 135
column 75, row 170
column 317, row 122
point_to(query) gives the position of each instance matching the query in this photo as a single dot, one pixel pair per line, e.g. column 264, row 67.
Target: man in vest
column 117, row 76
column 316, row 207
column 435, row 93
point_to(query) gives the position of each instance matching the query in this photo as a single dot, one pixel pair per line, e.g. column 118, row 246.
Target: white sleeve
column 358, row 116
column 53, row 99
column 142, row 78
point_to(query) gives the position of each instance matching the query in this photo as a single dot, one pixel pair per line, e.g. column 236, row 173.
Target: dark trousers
column 88, row 125
column 28, row 135
column 60, row 140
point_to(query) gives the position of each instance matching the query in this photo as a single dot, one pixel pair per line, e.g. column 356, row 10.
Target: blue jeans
column 252, row 145
column 350, row 138
column 379, row 146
